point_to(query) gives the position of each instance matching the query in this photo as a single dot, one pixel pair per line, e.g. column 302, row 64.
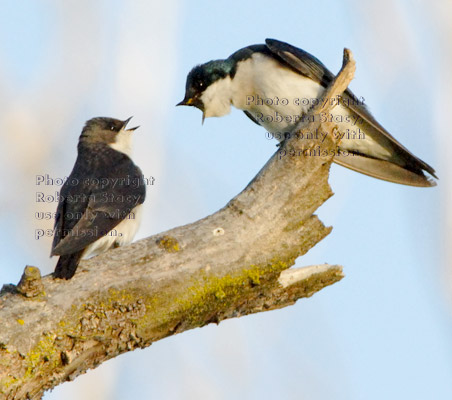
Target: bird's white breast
column 263, row 78
column 287, row 96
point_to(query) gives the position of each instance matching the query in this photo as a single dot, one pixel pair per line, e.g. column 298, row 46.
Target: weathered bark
column 232, row 263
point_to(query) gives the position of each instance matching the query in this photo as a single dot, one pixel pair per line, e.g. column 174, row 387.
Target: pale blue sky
column 382, row 332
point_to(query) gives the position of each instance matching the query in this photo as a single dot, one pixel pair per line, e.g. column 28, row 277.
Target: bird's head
column 109, row 131
column 208, row 88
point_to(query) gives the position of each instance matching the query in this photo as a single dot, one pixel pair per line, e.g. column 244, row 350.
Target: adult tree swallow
column 100, row 202
column 275, row 84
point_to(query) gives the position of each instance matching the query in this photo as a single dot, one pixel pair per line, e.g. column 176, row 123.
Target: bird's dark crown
column 103, row 124
column 101, row 130
column 202, row 76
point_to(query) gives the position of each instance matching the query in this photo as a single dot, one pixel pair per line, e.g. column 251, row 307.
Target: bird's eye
column 112, row 127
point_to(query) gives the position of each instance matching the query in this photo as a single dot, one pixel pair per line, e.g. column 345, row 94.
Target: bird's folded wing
column 100, row 217
column 309, row 66
column 382, row 169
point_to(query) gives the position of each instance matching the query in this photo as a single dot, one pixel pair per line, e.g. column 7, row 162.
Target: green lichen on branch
column 210, row 298
column 43, row 356
column 168, row 243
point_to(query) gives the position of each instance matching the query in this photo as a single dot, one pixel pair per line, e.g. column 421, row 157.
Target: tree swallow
column 100, row 203
column 276, row 84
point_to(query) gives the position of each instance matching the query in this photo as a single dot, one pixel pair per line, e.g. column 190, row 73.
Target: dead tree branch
column 232, row 263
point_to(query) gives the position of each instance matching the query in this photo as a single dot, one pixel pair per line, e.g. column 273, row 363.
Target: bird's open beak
column 125, row 124
column 192, row 101
column 186, row 102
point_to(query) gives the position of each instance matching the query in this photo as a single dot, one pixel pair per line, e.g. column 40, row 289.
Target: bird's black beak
column 125, row 124
column 193, row 102
column 185, row 102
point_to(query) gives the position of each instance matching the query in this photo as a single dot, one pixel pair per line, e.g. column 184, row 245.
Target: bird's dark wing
column 110, row 195
column 406, row 168
column 374, row 129
column 73, row 201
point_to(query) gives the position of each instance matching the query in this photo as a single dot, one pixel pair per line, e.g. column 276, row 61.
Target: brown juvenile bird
column 100, row 203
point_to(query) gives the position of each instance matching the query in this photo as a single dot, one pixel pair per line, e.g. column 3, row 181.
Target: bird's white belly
column 280, row 99
column 120, row 235
column 352, row 138
column 277, row 97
